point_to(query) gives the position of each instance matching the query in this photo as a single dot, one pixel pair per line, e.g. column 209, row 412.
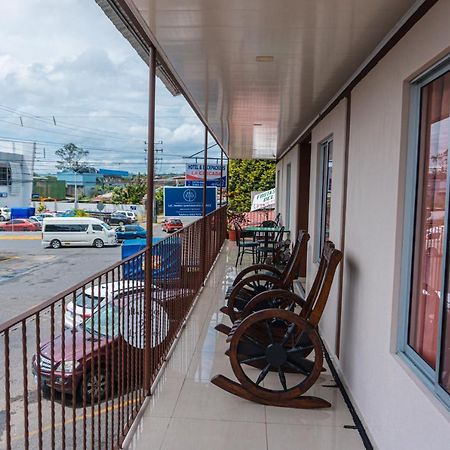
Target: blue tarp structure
column 167, row 259
column 22, row 213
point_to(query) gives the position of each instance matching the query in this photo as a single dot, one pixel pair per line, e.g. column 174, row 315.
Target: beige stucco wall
column 290, row 158
column 399, row 411
column 333, row 125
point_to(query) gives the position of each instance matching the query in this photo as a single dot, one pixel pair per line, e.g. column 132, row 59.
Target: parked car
column 130, row 214
column 70, row 231
column 116, row 327
column 120, row 219
column 5, row 214
column 37, row 220
column 171, row 225
column 88, row 302
column 130, row 232
column 19, row 225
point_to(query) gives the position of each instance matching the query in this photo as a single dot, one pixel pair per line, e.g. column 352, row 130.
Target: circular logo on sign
column 189, row 195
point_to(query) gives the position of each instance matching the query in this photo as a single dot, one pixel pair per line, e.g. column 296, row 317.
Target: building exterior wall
column 86, row 182
column 292, row 159
column 333, row 125
column 19, row 158
column 397, row 408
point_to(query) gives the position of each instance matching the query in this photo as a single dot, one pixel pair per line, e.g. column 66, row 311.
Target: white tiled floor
column 188, row 412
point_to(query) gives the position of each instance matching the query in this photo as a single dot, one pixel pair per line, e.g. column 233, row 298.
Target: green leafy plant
column 81, row 213
column 131, row 193
column 246, row 176
column 235, row 218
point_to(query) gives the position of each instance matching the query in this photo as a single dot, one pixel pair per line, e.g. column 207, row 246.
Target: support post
column 221, row 176
column 205, row 168
column 149, row 225
column 204, row 248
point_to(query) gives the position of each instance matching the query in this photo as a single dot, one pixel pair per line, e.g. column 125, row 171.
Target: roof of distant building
column 113, row 173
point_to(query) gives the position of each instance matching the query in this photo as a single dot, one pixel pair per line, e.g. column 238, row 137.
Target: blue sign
column 188, row 201
column 3, row 194
column 214, row 182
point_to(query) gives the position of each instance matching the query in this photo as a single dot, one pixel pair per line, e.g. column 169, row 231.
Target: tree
column 70, row 158
column 132, row 193
column 159, row 200
column 246, row 176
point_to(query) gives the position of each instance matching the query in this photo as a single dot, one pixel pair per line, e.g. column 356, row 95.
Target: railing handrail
column 16, row 320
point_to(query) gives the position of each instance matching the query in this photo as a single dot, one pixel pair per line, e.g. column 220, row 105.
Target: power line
column 103, row 133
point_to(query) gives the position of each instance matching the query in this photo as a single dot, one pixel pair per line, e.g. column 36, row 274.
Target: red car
column 171, row 225
column 107, row 342
column 19, row 225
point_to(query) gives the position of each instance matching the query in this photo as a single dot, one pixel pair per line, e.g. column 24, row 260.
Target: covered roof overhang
column 258, row 72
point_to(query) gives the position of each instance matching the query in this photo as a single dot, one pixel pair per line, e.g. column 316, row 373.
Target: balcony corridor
column 188, row 412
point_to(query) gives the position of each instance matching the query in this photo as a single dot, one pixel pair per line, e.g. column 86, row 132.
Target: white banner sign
column 264, row 200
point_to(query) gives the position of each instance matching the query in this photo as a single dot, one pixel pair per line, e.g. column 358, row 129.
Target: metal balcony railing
column 95, row 349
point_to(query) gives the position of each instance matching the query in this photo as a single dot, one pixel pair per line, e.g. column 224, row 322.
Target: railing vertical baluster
column 119, row 356
column 91, row 372
column 52, row 373
column 63, row 387
column 113, row 371
column 83, row 380
column 107, row 368
column 74, row 386
column 122, row 358
column 39, row 379
column 99, row 364
column 128, row 376
column 25, row 383
column 7, row 392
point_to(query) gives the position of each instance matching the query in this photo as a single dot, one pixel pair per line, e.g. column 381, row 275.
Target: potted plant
column 233, row 219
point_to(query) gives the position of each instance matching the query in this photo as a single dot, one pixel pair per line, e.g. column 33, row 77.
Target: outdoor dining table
column 265, row 230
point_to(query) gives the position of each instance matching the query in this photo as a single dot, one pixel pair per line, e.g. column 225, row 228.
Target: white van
column 73, row 231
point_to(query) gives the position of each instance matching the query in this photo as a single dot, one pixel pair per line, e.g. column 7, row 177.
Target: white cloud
column 65, row 59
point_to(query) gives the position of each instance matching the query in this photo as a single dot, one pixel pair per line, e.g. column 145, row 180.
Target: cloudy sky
column 67, row 75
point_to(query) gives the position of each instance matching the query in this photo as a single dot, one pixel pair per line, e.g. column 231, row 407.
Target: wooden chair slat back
column 320, row 290
column 291, row 270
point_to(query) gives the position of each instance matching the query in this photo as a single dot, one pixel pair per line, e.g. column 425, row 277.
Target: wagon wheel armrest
column 246, row 283
column 288, row 298
column 254, row 269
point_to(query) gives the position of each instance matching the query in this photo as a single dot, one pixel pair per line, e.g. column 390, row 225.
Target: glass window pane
column 429, row 229
column 327, row 176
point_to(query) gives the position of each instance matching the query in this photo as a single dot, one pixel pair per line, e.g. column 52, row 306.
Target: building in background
column 85, row 183
column 48, row 186
column 113, row 177
column 16, row 173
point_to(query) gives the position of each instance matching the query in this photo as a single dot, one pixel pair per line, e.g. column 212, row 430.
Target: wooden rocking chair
column 250, row 284
column 284, row 342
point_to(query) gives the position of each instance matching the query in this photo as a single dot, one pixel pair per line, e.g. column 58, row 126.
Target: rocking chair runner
column 252, row 285
column 278, row 340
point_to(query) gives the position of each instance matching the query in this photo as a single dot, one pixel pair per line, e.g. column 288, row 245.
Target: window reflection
column 429, row 233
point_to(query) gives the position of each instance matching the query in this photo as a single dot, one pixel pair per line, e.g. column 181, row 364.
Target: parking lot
column 29, row 275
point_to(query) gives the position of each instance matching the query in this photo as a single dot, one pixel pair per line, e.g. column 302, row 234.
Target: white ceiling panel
column 256, row 108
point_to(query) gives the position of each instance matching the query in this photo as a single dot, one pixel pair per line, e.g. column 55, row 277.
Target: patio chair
column 263, row 251
column 249, row 286
column 267, row 268
column 283, row 342
column 277, row 219
column 244, row 245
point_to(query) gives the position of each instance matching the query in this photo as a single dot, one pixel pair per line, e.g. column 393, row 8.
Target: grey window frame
column 428, row 375
column 323, row 156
